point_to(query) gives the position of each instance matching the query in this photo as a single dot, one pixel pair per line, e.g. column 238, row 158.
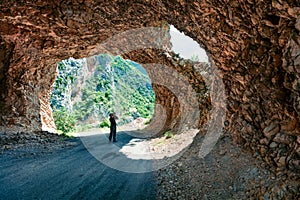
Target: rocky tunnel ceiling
column 254, row 45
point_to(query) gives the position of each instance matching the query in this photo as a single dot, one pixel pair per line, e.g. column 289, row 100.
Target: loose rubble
column 228, row 172
column 33, row 144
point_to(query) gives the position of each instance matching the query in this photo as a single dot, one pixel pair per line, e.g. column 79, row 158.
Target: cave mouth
column 176, row 95
column 87, row 90
column 74, row 102
column 186, row 47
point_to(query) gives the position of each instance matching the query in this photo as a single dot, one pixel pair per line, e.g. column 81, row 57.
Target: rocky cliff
column 90, row 93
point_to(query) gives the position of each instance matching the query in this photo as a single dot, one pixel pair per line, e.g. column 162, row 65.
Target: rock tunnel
column 253, row 44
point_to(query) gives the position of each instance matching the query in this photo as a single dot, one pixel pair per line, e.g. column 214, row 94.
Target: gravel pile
column 29, row 144
column 227, row 172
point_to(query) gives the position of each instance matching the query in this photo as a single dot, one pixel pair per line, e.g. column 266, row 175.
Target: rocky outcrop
column 254, row 44
column 179, row 87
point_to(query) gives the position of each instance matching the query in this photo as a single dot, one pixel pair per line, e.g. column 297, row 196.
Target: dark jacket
column 112, row 122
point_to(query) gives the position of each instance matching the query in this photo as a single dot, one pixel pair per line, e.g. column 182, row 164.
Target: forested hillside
column 85, row 95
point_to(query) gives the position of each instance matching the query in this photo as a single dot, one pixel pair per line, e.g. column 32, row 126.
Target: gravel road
column 74, row 173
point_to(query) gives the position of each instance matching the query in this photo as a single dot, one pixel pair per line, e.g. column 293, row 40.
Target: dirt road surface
column 78, row 172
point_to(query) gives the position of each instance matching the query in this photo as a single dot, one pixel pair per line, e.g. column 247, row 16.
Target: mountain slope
column 114, row 85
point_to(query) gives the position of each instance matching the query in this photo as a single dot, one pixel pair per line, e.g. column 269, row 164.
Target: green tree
column 64, row 120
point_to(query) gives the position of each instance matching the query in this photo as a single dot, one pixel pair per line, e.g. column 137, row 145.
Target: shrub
column 104, row 124
column 168, row 134
column 147, row 121
column 64, row 120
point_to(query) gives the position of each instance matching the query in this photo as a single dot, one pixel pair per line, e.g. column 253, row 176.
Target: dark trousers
column 113, row 133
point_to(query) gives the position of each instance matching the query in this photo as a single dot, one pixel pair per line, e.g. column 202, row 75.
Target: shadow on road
column 129, row 154
column 74, row 173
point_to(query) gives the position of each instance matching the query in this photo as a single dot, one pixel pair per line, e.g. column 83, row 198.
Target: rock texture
column 179, row 87
column 254, row 44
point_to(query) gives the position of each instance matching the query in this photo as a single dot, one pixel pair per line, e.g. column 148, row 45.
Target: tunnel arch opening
column 87, row 90
column 186, row 47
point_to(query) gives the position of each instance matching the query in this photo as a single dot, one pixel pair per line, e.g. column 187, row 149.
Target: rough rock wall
column 255, row 45
column 36, row 35
column 179, row 88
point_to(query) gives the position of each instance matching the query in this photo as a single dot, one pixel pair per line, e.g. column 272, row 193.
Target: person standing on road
column 113, row 127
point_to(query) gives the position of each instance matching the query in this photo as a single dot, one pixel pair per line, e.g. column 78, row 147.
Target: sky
column 186, row 46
